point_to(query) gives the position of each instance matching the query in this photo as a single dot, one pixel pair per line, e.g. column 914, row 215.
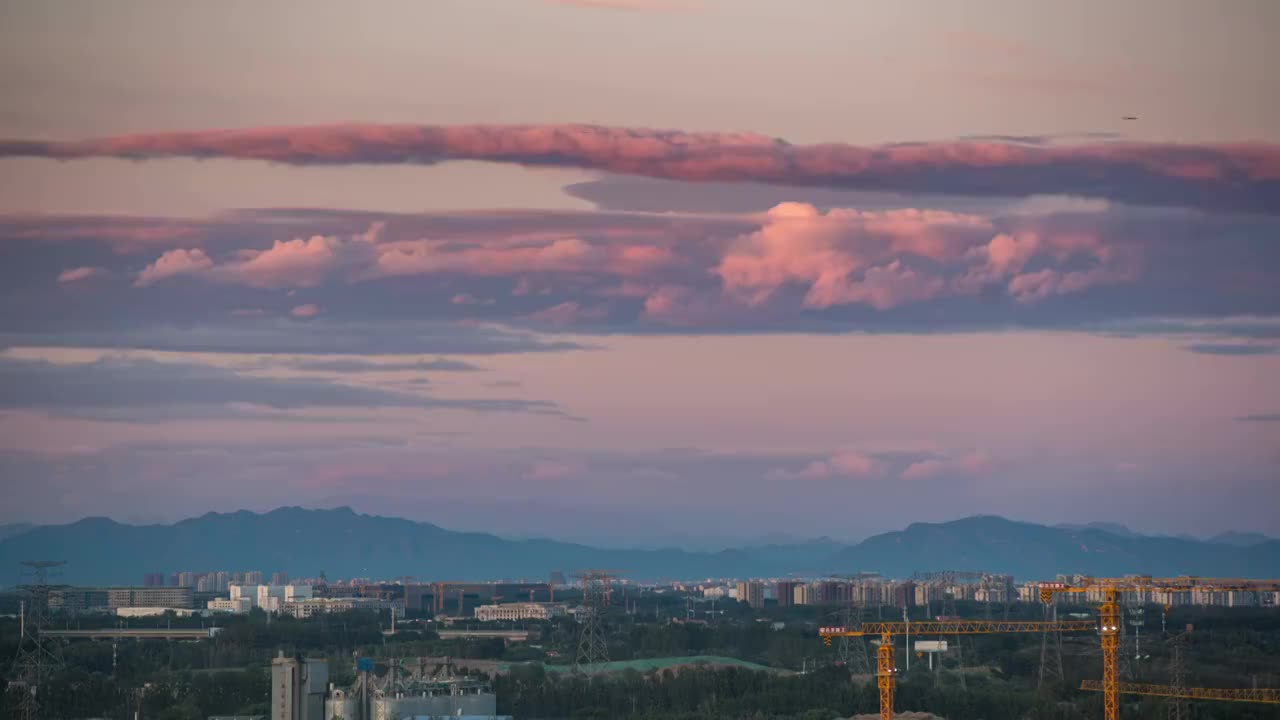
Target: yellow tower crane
column 1109, row 590
column 886, row 668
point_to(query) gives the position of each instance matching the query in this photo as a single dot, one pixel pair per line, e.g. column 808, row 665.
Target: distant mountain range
column 343, row 543
column 1239, row 539
column 12, row 529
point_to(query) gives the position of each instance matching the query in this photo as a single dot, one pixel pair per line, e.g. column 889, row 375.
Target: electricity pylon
column 1177, row 706
column 38, row 656
column 1050, row 651
column 593, row 645
column 853, row 650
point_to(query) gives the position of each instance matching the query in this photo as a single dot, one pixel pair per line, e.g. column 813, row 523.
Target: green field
column 648, row 664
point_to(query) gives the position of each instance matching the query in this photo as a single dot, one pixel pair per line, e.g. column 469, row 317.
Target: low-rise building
column 239, row 605
column 158, row 611
column 716, row 592
column 520, row 611
column 306, row 607
column 80, row 599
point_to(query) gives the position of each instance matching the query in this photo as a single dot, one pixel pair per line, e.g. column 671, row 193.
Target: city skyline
column 626, row 272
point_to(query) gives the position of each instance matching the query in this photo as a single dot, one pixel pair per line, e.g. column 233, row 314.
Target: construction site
column 1121, row 605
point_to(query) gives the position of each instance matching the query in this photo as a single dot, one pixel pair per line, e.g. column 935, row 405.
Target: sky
column 643, row 272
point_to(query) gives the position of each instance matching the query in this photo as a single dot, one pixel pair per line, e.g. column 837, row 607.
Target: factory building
column 410, row 688
column 298, row 688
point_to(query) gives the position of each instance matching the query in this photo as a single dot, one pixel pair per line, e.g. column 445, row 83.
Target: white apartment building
column 520, row 611
column 271, row 598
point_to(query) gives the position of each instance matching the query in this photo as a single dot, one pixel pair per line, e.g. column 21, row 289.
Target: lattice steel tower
column 949, row 611
column 1177, row 707
column 38, row 656
column 852, row 651
column 597, row 592
column 1050, row 650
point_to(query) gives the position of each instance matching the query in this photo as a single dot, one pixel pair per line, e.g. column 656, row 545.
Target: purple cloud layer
column 1242, row 176
column 281, row 274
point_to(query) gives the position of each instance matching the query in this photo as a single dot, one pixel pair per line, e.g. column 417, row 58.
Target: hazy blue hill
column 1113, row 528
column 1241, row 539
column 8, row 531
column 343, row 544
column 1036, row 551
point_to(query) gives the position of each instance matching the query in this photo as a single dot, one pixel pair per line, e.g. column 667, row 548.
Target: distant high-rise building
column 205, row 583
column 252, row 577
column 786, row 592
column 751, row 592
column 832, row 592
column 221, row 580
column 802, row 595
column 279, row 578
column 904, row 594
column 153, row 580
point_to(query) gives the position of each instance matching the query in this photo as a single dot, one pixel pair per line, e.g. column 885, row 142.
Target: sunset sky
column 643, row 272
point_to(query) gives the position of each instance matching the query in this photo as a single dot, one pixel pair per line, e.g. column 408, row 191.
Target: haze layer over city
column 584, row 319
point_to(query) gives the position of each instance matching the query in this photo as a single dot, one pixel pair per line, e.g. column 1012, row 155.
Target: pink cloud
column 80, row 273
column 316, row 260
column 843, row 465
column 305, row 311
column 174, row 263
column 680, row 306
column 878, row 259
column 847, row 256
column 1233, row 175
column 968, row 464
